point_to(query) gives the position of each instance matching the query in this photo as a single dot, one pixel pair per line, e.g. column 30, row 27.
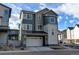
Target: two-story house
column 71, row 35
column 38, row 28
column 5, row 13
column 67, row 35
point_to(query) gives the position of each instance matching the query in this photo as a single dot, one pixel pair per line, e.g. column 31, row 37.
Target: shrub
column 5, row 48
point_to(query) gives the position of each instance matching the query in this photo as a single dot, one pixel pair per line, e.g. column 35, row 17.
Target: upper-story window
column 6, row 11
column 51, row 19
column 39, row 27
column 28, row 16
column 27, row 26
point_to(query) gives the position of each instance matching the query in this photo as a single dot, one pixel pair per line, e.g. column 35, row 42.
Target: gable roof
column 25, row 11
column 77, row 25
column 71, row 28
column 45, row 9
column 8, row 8
column 51, row 12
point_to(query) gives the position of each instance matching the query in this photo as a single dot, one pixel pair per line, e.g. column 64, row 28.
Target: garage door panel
column 34, row 41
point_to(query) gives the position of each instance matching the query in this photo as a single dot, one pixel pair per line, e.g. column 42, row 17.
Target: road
column 54, row 52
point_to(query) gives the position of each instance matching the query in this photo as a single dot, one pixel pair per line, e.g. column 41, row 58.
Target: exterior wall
column 29, row 21
column 68, row 34
column 38, row 21
column 14, row 43
column 52, row 39
column 3, row 37
column 72, row 35
column 39, row 18
column 76, row 32
column 51, row 27
column 4, row 12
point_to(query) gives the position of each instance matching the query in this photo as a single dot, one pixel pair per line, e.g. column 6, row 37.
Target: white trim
column 25, row 26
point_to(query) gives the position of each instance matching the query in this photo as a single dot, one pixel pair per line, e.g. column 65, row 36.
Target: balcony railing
column 3, row 27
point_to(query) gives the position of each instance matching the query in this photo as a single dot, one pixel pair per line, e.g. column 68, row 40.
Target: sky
column 68, row 13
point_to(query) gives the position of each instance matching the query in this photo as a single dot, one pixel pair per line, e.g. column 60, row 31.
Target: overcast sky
column 68, row 14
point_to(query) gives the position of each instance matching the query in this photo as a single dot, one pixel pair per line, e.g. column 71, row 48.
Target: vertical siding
column 76, row 33
column 31, row 21
column 38, row 21
column 5, row 16
column 52, row 39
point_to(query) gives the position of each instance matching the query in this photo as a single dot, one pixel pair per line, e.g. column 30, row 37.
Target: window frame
column 29, row 26
column 52, row 19
column 40, row 28
column 25, row 16
column 52, row 31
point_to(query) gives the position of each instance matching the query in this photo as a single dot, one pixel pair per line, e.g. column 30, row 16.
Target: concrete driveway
column 39, row 49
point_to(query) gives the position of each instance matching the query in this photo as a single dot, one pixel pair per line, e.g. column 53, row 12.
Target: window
column 25, row 16
column 51, row 19
column 52, row 32
column 30, row 26
column 27, row 26
column 0, row 20
column 39, row 27
column 28, row 16
column 6, row 11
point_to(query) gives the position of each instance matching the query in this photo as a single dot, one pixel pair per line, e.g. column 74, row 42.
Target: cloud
column 13, row 21
column 69, row 9
column 42, row 5
column 71, row 21
column 59, row 18
column 36, row 10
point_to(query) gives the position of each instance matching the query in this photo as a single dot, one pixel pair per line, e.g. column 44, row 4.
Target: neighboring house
column 60, row 36
column 13, row 37
column 5, row 13
column 76, row 34
column 38, row 28
column 71, row 35
column 67, row 35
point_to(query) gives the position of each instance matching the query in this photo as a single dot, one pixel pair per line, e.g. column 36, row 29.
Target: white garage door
column 34, row 41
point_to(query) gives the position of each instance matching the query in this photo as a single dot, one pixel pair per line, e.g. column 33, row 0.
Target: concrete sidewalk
column 29, row 49
column 37, row 49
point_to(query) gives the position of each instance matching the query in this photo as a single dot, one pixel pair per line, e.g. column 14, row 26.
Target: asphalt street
column 54, row 52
